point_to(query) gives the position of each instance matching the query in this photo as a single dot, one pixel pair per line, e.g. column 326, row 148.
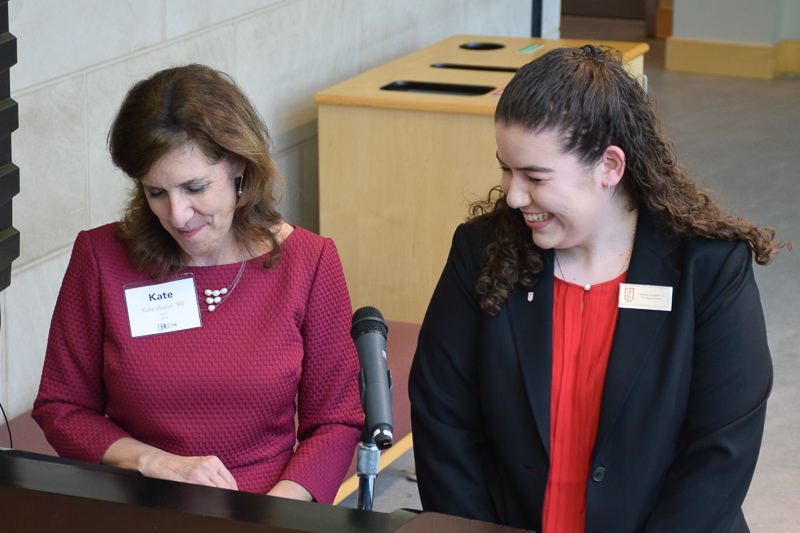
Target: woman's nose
column 517, row 195
column 180, row 210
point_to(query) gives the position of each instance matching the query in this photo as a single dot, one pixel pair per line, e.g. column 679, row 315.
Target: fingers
column 205, row 471
column 228, row 478
column 211, row 471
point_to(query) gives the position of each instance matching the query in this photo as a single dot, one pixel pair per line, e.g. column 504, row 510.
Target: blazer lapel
column 636, row 330
column 530, row 314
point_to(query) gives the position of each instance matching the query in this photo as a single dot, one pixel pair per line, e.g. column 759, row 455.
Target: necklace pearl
column 214, row 297
column 209, row 292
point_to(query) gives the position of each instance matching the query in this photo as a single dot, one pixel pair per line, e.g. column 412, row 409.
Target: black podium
column 43, row 493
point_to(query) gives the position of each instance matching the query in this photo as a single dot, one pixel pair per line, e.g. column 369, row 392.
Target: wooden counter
column 398, row 169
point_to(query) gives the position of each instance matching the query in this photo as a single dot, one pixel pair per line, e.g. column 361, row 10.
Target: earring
column 608, row 184
column 240, row 179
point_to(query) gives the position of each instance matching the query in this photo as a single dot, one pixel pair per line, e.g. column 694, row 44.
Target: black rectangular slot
column 462, row 66
column 438, row 88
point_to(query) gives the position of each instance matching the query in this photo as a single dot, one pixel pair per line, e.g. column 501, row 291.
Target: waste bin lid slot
column 438, row 88
column 482, row 46
column 464, row 66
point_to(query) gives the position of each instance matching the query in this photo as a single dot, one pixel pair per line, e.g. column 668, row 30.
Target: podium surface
column 43, row 493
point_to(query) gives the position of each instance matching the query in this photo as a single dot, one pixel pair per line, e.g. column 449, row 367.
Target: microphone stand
column 368, row 460
column 368, row 465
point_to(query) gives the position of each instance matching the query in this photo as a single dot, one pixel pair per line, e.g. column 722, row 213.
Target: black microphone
column 375, row 381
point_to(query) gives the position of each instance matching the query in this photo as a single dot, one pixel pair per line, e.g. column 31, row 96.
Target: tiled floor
column 739, row 137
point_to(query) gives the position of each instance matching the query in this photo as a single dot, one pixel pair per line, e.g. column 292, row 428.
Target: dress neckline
column 619, row 279
column 260, row 258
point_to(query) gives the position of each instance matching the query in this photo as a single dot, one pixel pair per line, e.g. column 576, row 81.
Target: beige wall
column 750, row 39
column 763, row 22
column 76, row 59
column 728, row 21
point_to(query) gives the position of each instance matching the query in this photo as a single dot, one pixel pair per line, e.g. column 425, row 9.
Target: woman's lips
column 190, row 233
column 537, row 220
column 537, row 217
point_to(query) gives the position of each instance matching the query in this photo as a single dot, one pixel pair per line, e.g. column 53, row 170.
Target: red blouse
column 583, row 329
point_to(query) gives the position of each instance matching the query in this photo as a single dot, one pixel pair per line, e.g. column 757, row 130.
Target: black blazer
column 683, row 405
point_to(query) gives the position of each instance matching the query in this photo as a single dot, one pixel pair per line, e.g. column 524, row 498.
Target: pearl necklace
column 215, row 297
column 587, row 287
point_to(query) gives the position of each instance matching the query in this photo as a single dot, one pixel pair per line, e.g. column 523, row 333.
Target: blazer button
column 599, row 474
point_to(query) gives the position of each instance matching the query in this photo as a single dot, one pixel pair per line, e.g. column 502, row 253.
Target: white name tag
column 650, row 297
column 163, row 307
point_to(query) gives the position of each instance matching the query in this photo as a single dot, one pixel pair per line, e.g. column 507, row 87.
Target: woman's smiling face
column 195, row 202
column 560, row 199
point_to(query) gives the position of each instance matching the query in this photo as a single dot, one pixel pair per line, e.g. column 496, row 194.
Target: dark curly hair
column 197, row 104
column 587, row 95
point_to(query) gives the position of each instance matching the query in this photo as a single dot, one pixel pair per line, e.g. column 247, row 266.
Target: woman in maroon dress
column 201, row 338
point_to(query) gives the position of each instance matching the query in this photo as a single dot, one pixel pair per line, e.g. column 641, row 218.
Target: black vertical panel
column 536, row 19
column 9, row 173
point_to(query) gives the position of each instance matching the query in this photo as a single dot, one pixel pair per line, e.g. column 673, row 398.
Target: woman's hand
column 152, row 462
column 207, row 470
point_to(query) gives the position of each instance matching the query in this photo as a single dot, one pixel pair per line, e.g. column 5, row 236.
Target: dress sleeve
column 443, row 388
column 724, row 422
column 330, row 418
column 70, row 406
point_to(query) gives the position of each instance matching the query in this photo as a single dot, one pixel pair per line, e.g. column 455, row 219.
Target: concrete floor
column 740, row 138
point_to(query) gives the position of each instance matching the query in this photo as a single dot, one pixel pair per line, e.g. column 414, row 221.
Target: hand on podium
column 152, row 462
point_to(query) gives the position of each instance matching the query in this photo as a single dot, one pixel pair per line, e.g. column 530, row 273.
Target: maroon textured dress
column 227, row 388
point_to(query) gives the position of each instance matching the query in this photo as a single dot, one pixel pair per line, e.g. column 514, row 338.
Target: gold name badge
column 648, row 297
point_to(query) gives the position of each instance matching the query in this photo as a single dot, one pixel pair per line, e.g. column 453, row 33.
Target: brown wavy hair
column 587, row 95
column 200, row 105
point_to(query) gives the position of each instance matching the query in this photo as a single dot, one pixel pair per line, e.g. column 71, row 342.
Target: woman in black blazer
column 591, row 196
